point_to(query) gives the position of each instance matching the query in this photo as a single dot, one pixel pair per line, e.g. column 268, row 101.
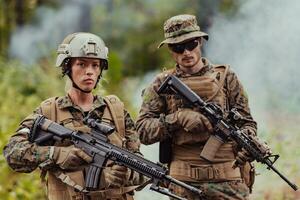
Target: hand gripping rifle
column 223, row 130
column 96, row 145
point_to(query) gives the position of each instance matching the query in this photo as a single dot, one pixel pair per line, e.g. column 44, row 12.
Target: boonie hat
column 180, row 28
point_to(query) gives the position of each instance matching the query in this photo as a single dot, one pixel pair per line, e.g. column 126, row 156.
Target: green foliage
column 113, row 76
column 133, row 29
column 282, row 134
column 143, row 44
column 22, row 88
column 229, row 7
column 14, row 13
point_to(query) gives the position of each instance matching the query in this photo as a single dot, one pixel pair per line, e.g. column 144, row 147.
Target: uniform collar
column 66, row 102
column 206, row 67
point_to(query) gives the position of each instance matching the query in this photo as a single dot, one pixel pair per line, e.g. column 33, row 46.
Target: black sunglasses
column 179, row 48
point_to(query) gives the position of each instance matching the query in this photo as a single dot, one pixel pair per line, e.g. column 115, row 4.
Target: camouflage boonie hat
column 180, row 28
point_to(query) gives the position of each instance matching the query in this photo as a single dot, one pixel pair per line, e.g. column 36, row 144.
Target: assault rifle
column 223, row 129
column 96, row 145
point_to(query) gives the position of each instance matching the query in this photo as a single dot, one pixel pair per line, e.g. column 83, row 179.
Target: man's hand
column 189, row 120
column 70, row 157
column 241, row 158
column 115, row 176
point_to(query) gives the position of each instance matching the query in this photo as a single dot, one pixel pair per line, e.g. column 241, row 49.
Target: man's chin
column 188, row 65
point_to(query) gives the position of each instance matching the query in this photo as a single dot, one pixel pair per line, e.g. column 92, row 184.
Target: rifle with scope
column 96, row 145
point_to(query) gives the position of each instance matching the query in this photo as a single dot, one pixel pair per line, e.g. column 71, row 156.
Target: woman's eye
column 96, row 65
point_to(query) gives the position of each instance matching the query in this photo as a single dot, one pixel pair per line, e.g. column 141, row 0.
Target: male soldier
column 82, row 57
column 168, row 116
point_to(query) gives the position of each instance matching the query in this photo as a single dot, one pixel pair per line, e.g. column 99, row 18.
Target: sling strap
column 223, row 72
column 116, row 110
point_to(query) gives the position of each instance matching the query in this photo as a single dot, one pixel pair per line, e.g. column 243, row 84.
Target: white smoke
column 261, row 43
column 33, row 41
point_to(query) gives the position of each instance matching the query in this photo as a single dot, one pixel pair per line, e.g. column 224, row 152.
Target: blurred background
column 259, row 39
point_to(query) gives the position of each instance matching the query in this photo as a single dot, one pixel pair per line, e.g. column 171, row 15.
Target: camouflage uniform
column 23, row 156
column 87, row 54
column 217, row 179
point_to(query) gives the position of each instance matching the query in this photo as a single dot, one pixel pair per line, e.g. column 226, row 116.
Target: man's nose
column 186, row 52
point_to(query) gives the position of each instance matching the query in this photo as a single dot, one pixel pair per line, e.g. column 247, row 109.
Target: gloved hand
column 241, row 158
column 249, row 131
column 70, row 157
column 115, row 176
column 189, row 120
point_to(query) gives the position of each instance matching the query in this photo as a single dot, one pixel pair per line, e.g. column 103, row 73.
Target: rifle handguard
column 211, row 147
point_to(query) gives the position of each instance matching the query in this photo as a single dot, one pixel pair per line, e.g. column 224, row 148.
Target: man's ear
column 200, row 41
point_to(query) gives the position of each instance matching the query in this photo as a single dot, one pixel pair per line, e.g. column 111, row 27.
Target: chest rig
column 210, row 87
column 186, row 163
column 69, row 185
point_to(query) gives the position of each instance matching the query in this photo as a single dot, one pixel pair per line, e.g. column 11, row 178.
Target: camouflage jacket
column 23, row 156
column 151, row 123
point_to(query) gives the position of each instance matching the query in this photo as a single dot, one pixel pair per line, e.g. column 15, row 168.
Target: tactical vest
column 186, row 163
column 67, row 186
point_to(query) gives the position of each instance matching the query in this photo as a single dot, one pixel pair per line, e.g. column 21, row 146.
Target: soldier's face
column 85, row 72
column 187, row 54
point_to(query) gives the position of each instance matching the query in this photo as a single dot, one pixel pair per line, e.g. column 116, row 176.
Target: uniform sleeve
column 22, row 155
column 151, row 124
column 131, row 136
column 238, row 99
column 133, row 145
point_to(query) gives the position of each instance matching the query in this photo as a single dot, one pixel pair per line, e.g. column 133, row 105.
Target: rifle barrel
column 270, row 166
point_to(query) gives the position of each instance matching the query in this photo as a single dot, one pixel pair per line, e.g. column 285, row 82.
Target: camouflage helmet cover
column 81, row 44
column 180, row 28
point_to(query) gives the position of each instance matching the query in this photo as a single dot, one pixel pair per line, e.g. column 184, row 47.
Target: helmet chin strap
column 78, row 88
column 74, row 85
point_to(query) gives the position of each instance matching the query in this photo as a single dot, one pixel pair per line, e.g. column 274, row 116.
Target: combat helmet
column 82, row 44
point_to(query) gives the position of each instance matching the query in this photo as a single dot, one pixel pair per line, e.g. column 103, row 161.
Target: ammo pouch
column 248, row 175
column 211, row 147
column 217, row 172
